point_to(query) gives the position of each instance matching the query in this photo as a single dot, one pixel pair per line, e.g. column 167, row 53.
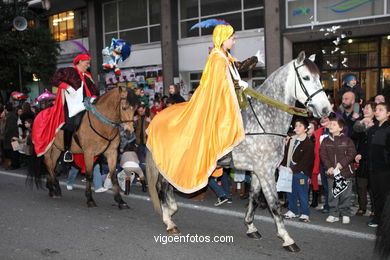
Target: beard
column 347, row 106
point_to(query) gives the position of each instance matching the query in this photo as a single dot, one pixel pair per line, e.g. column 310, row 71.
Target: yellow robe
column 187, row 139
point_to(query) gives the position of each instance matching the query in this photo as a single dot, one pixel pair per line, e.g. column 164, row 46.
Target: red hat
column 81, row 57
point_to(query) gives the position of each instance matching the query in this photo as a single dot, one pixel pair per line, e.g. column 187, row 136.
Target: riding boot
column 144, row 187
column 314, row 201
column 127, row 187
column 68, row 157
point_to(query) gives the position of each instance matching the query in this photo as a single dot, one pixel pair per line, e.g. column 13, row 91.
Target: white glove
column 260, row 57
column 243, row 84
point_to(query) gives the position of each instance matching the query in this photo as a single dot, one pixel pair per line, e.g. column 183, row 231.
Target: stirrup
column 68, row 157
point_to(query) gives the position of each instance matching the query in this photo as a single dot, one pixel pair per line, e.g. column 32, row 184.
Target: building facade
column 346, row 36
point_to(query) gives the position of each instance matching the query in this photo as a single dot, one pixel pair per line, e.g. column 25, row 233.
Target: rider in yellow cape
column 187, row 139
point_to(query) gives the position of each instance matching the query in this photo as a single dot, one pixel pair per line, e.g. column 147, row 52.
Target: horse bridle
column 308, row 100
column 309, row 97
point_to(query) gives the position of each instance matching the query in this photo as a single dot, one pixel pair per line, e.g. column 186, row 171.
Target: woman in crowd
column 360, row 130
column 379, row 159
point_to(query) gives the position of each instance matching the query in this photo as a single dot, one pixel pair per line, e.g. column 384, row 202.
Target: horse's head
column 127, row 107
column 308, row 88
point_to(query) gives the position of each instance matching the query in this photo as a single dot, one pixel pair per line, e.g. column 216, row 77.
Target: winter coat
column 360, row 135
column 338, row 149
column 379, row 148
column 302, row 157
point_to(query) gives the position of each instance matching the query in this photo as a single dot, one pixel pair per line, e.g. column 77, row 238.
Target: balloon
column 45, row 96
column 118, row 51
column 18, row 95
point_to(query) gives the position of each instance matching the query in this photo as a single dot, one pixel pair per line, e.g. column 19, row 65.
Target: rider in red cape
column 74, row 83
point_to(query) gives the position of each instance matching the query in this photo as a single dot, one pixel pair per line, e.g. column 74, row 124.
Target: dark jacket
column 350, row 122
column 177, row 98
column 338, row 149
column 379, row 147
column 360, row 135
column 10, row 130
column 71, row 77
column 303, row 156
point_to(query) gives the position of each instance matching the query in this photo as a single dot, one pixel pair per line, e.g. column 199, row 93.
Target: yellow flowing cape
column 187, row 139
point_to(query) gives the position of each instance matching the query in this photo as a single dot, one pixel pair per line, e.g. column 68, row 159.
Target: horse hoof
column 173, row 231
column 91, row 204
column 123, row 206
column 254, row 235
column 292, row 248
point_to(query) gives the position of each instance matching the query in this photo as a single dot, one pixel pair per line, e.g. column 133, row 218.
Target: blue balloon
column 122, row 47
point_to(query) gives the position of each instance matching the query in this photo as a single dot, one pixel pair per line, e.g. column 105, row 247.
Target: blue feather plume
column 208, row 23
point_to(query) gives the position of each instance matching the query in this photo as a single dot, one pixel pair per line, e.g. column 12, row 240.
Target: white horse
column 262, row 150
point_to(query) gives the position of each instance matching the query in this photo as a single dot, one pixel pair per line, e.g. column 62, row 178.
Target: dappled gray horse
column 262, row 150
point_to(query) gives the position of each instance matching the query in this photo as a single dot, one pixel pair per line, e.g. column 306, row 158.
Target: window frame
column 199, row 18
column 118, row 31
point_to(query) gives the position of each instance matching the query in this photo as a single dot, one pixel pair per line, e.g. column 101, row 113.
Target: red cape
column 49, row 122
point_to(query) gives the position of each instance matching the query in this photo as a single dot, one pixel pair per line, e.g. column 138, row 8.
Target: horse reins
column 308, row 100
column 91, row 108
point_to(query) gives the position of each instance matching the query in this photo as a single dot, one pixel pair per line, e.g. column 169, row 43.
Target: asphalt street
column 34, row 226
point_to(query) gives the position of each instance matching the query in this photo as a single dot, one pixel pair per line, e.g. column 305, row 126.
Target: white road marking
column 224, row 212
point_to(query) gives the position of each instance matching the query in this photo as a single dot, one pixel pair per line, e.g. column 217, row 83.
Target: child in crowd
column 157, row 107
column 25, row 141
column 337, row 153
column 350, row 84
column 130, row 163
column 299, row 158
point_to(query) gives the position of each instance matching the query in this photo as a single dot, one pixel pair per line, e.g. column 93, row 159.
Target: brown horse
column 95, row 136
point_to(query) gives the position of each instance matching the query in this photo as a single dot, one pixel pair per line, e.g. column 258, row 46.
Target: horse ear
column 312, row 57
column 301, row 57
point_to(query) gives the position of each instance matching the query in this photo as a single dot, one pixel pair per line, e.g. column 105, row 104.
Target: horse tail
column 382, row 244
column 36, row 171
column 152, row 176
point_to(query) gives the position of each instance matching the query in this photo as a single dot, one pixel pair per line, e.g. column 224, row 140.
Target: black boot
column 314, row 201
column 127, row 187
column 144, row 187
column 68, row 157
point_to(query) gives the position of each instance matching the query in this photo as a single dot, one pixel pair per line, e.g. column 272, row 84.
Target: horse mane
column 311, row 66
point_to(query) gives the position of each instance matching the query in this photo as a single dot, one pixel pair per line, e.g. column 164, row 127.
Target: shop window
column 68, row 25
column 385, row 51
column 185, row 29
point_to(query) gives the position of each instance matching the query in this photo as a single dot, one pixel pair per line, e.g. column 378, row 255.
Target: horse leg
column 112, row 156
column 253, row 203
column 52, row 182
column 89, row 177
column 270, row 193
column 166, row 199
